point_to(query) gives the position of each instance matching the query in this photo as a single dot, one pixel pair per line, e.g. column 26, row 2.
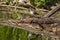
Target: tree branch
column 29, row 26
column 50, row 13
column 50, row 20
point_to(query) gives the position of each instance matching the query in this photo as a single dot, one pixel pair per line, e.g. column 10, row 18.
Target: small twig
column 50, row 13
column 12, row 6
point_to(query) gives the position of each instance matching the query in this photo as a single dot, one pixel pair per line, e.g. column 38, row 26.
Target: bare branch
column 30, row 27
column 52, row 11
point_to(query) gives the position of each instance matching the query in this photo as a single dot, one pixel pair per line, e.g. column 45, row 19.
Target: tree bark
column 47, row 20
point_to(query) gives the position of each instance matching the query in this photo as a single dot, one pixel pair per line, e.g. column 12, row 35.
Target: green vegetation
column 9, row 33
column 43, row 3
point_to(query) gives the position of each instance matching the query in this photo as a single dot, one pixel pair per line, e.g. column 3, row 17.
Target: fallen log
column 15, row 23
column 41, row 21
column 28, row 26
column 47, row 20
